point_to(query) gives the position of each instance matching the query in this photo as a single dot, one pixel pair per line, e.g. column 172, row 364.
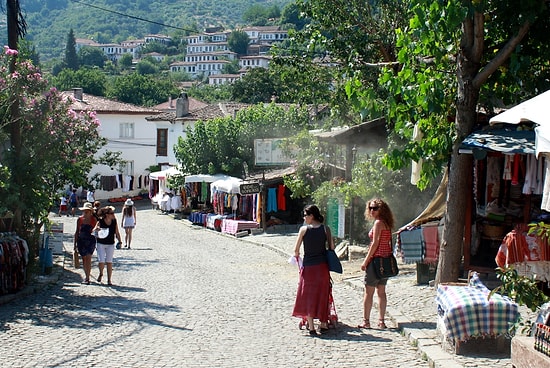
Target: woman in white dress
column 128, row 221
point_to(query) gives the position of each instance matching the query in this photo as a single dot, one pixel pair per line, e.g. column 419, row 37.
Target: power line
column 132, row 16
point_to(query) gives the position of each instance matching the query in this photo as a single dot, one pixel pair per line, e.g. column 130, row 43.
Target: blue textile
column 272, row 200
column 412, row 245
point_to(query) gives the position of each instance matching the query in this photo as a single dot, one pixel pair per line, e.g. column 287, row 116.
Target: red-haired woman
column 380, row 246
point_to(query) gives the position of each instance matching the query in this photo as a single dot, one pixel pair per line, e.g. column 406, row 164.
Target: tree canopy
column 226, row 143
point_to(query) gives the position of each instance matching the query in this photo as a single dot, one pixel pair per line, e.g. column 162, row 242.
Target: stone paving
column 185, row 295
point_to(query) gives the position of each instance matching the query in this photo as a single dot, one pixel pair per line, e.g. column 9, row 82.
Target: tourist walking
column 128, row 221
column 84, row 241
column 380, row 246
column 107, row 231
column 313, row 295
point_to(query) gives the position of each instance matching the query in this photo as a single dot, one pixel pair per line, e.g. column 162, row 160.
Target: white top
column 90, row 196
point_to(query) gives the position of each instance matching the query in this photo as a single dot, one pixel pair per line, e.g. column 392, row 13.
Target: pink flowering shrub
column 58, row 145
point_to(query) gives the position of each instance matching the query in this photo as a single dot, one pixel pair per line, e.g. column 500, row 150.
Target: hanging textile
column 271, row 200
column 281, row 197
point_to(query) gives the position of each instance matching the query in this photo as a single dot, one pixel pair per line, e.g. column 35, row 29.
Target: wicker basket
column 494, row 231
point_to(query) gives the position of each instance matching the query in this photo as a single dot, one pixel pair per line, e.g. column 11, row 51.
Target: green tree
column 257, row 85
column 146, row 67
column 210, row 93
column 231, row 68
column 238, row 41
column 92, row 81
column 228, row 142
column 71, row 58
column 256, row 15
column 91, row 56
column 291, row 15
column 144, row 90
column 125, row 61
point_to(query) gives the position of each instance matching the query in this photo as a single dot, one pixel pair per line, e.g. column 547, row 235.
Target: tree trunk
column 460, row 171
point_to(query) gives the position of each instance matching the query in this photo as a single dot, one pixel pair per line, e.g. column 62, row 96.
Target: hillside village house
column 126, row 130
column 206, row 53
column 174, row 124
column 218, row 79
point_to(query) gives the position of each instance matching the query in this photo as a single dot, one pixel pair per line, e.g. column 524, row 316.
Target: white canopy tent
column 164, row 174
column 534, row 110
column 229, row 185
column 199, row 178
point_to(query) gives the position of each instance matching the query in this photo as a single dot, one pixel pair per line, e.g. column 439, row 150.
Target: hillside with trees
column 48, row 21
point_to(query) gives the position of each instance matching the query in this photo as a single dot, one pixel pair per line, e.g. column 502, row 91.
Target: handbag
column 334, row 264
column 76, row 259
column 385, row 267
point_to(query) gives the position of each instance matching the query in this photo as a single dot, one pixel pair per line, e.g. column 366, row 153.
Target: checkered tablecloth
column 467, row 313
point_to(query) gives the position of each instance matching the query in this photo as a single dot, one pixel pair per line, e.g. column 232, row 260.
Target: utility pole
column 17, row 28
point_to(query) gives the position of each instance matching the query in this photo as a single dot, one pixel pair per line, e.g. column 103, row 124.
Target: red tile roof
column 104, row 105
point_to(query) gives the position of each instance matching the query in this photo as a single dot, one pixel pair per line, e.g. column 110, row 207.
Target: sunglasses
column 306, row 214
column 375, row 208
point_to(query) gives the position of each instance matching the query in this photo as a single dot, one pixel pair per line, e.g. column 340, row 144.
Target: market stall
column 161, row 195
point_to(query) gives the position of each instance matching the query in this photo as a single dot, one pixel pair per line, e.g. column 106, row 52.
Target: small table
column 465, row 312
column 234, row 226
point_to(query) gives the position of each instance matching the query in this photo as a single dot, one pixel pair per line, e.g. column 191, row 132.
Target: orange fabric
column 513, row 249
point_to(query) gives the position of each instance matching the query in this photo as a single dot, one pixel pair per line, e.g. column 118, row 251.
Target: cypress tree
column 71, row 58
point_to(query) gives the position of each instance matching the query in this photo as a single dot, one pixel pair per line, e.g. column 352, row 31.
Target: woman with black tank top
column 312, row 298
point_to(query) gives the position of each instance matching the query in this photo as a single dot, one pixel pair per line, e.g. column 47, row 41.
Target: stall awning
column 199, row 178
column 534, row 110
column 164, row 174
column 500, row 140
column 229, row 185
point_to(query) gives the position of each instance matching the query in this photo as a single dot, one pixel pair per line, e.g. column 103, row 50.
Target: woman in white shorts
column 107, row 230
column 128, row 221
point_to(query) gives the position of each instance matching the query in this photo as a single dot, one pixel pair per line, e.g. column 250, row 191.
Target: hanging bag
column 385, row 267
column 76, row 259
column 333, row 261
column 334, row 264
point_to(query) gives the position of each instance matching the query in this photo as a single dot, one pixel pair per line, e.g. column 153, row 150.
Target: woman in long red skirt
column 312, row 298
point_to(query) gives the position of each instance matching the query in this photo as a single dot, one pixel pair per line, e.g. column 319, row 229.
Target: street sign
column 249, row 188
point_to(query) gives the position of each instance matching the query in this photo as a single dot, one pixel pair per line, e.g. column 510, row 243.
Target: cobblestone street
column 187, row 296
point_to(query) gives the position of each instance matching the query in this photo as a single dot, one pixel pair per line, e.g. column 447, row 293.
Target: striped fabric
column 412, row 245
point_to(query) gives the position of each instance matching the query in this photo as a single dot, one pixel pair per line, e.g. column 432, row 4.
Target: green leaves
column 225, row 143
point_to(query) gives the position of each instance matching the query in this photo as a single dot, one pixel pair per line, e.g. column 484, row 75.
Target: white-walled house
column 257, row 61
column 218, row 79
column 127, row 131
column 174, row 124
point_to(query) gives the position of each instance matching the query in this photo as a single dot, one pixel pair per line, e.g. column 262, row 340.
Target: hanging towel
column 513, row 249
column 431, row 242
column 412, row 245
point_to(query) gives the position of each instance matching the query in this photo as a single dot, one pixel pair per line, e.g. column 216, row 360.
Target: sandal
column 381, row 324
column 365, row 324
column 99, row 277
